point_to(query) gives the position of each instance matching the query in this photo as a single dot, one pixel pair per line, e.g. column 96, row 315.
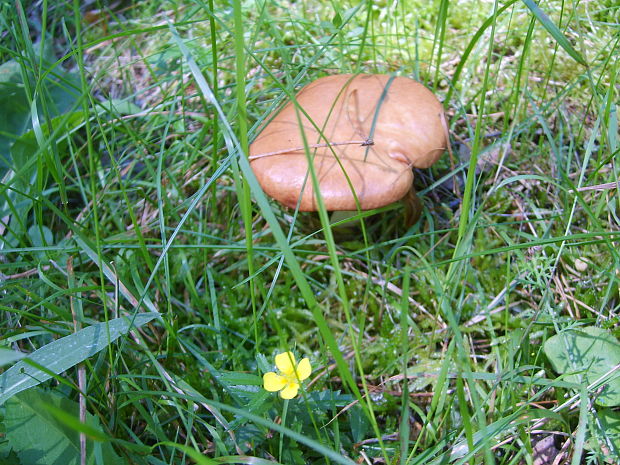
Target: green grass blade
column 555, row 32
column 270, row 218
column 472, row 43
column 243, row 190
column 9, row 356
column 66, row 352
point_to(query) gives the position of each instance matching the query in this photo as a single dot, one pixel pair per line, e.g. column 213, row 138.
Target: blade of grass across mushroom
column 290, row 94
column 375, row 116
column 263, row 203
column 332, row 252
column 366, row 141
column 326, row 225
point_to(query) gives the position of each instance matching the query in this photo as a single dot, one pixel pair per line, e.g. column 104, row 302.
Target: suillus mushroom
column 363, row 134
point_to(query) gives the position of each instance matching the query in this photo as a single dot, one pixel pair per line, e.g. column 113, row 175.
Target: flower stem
column 284, row 412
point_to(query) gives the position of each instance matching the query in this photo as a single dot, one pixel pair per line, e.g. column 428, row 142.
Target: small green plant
column 144, row 273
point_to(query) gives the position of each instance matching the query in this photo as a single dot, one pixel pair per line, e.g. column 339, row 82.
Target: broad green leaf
column 10, row 72
column 610, row 428
column 21, row 154
column 40, row 236
column 65, row 353
column 9, row 356
column 337, row 20
column 118, row 107
column 7, row 455
column 555, row 32
column 15, row 110
column 359, row 423
column 232, row 378
column 37, row 436
column 583, row 356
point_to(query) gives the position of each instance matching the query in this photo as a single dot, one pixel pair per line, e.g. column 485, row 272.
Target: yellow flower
column 290, row 377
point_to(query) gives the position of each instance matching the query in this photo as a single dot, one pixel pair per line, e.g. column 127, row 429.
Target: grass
column 125, row 190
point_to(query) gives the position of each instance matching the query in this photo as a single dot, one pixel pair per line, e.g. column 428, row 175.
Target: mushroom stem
column 363, row 143
column 413, row 207
column 345, row 217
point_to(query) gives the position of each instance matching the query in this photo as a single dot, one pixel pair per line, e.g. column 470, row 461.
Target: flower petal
column 286, row 363
column 289, row 391
column 273, row 382
column 304, row 369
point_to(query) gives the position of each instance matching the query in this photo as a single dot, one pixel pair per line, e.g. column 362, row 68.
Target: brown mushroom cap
column 401, row 117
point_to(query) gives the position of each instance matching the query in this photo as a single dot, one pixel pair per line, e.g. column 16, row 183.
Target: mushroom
column 364, row 133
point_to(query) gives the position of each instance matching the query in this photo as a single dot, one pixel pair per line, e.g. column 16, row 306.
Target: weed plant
column 149, row 282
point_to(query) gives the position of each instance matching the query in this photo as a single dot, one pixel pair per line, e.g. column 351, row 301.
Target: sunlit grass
column 426, row 340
